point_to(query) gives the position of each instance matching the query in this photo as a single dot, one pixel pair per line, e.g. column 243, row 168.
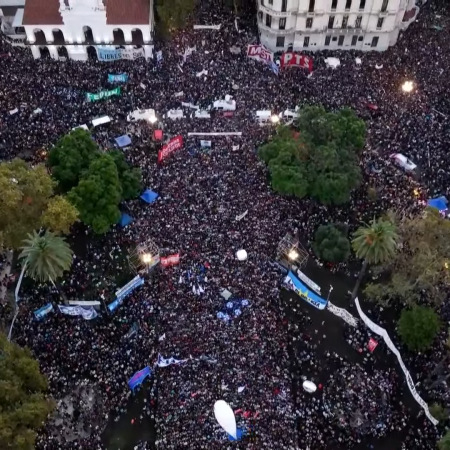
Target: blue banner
column 294, row 284
column 109, row 54
column 126, row 290
column 139, row 377
column 120, row 78
column 42, row 312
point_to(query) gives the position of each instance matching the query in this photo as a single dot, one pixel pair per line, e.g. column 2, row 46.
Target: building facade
column 81, row 29
column 333, row 24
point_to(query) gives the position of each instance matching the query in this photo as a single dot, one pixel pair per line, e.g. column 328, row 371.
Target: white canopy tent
column 101, row 121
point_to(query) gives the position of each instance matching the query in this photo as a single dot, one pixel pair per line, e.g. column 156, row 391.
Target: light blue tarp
column 149, row 196
column 123, row 141
column 240, row 433
column 440, row 203
column 125, row 220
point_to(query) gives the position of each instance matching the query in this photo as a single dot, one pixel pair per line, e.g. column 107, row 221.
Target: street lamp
column 275, row 118
column 407, row 86
column 293, row 254
column 146, row 258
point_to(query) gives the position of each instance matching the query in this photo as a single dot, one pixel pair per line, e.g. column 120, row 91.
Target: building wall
column 291, row 21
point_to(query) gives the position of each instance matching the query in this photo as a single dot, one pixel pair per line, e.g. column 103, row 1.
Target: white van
column 142, row 114
column 403, row 162
column 225, row 105
column 175, row 114
column 263, row 117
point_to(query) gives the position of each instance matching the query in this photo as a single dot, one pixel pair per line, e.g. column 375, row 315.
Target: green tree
column 71, row 156
column 173, row 14
column 60, row 215
column 98, row 195
column 331, row 243
column 374, row 243
column 418, row 327
column 323, row 161
column 444, row 443
column 25, row 192
column 24, row 404
column 438, row 412
column 421, row 264
column 45, row 257
column 130, row 178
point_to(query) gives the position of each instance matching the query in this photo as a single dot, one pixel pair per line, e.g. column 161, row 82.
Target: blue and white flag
column 42, row 312
column 86, row 313
column 120, row 78
column 274, row 67
column 124, row 291
column 232, row 309
column 139, row 377
column 162, row 362
column 294, row 284
column 159, row 56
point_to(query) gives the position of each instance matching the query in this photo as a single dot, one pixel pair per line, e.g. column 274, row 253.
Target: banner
column 114, row 54
column 42, row 312
column 162, row 362
column 260, row 53
column 383, row 333
column 205, row 144
column 274, row 67
column 308, row 281
column 294, row 284
column 139, row 377
column 174, row 144
column 372, row 345
column 133, row 330
column 103, row 94
column 171, row 260
column 124, row 291
column 292, row 59
column 207, row 27
column 241, row 216
column 85, row 313
column 159, row 56
column 120, row 78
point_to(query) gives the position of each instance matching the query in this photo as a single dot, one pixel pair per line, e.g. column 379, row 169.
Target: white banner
column 308, row 281
column 343, row 314
column 162, row 362
column 383, row 333
column 205, row 144
column 207, row 27
column 241, row 216
column 85, row 313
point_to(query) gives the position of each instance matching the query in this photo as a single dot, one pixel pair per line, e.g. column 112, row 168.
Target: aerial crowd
column 202, row 194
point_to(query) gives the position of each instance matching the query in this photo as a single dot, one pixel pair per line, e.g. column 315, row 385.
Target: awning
column 123, row 141
column 18, row 18
column 101, row 121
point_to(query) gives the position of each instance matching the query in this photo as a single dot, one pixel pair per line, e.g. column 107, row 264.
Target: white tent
column 202, row 114
column 225, row 105
column 332, row 62
column 175, row 114
column 142, row 114
column 241, row 255
column 101, row 121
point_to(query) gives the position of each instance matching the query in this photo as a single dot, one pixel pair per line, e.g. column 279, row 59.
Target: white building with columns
column 333, row 24
column 76, row 29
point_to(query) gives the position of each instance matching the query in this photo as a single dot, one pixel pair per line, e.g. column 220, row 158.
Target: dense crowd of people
column 245, row 359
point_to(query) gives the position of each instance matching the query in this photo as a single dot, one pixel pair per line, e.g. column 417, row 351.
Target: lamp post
column 147, row 259
column 329, row 292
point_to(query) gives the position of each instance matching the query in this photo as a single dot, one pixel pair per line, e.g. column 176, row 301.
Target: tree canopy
column 322, row 161
column 71, row 156
column 174, row 13
column 98, row 195
column 46, row 256
column 24, row 405
column 421, row 264
column 130, row 178
column 331, row 243
column 418, row 327
column 27, row 203
column 444, row 443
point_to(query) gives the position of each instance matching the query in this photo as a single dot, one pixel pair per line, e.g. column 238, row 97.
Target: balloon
column 225, row 417
column 309, row 386
column 241, row 255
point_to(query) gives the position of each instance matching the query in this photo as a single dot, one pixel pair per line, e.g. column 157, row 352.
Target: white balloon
column 241, row 255
column 309, row 386
column 225, row 417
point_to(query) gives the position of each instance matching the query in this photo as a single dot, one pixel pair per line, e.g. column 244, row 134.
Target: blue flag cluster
column 292, row 283
column 232, row 309
column 120, row 78
column 42, row 312
column 139, row 377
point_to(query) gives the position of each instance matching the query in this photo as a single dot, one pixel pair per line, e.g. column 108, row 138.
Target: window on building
column 334, row 39
column 358, row 22
column 380, row 23
column 282, row 23
column 330, row 22
column 268, row 20
column 270, row 2
column 374, row 41
column 384, row 5
column 341, row 40
column 309, row 22
column 360, row 38
column 283, row 5
column 362, row 4
column 280, row 41
column 311, row 5
column 306, row 41
column 354, row 40
column 327, row 40
column 334, row 4
column 345, row 22
column 348, row 4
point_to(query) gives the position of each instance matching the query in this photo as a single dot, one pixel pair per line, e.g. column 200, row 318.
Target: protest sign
column 102, row 94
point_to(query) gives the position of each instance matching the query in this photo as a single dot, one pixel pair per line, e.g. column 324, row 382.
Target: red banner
column 260, row 53
column 372, row 345
column 292, row 59
column 171, row 260
column 174, row 144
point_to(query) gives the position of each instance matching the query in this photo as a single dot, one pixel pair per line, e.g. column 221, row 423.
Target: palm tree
column 45, row 257
column 375, row 243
